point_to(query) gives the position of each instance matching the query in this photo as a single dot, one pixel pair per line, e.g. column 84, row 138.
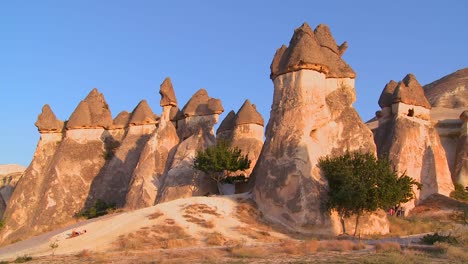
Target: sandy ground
column 104, row 231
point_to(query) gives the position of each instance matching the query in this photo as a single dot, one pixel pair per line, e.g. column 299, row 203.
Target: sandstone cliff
column 461, row 165
column 156, row 155
column 57, row 182
column 195, row 129
column 9, row 177
column 450, row 91
column 406, row 134
column 311, row 116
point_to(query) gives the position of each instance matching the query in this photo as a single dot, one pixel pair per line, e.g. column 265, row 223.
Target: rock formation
column 311, row 116
column 195, row 129
column 461, row 165
column 450, row 91
column 247, row 134
column 225, row 129
column 156, row 156
column 62, row 170
column 407, row 136
column 9, row 177
column 112, row 183
column 48, row 122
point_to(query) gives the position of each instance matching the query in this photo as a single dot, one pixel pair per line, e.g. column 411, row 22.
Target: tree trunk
column 342, row 221
column 357, row 224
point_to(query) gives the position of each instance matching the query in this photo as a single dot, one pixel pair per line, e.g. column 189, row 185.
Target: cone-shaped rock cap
column 409, row 91
column 313, row 51
column 121, row 120
column 142, row 115
column 92, row 112
column 248, row 114
column 47, row 121
column 167, row 93
column 201, row 104
column 386, row 98
column 228, row 122
column 464, row 116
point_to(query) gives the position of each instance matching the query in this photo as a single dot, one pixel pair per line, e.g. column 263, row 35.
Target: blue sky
column 55, row 52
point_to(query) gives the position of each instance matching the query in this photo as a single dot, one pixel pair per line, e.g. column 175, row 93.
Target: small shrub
column 23, row 259
column 99, row 208
column 359, row 245
column 291, row 248
column 85, row 253
column 387, row 247
column 431, row 239
column 2, row 224
column 459, row 193
column 311, row 246
column 336, row 245
column 155, row 215
column 54, row 245
column 248, row 252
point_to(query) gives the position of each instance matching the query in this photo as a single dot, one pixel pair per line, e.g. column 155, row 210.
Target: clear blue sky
column 55, row 52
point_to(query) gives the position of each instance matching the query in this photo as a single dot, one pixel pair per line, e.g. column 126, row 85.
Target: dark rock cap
column 248, row 114
column 201, row 104
column 47, row 121
column 167, row 93
column 409, row 91
column 121, row 120
column 228, row 122
column 314, row 51
column 92, row 112
column 142, row 115
column 386, row 98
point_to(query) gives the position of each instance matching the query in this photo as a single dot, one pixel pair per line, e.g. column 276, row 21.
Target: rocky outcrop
column 311, row 116
column 461, row 161
column 48, row 122
column 450, row 91
column 196, row 131
column 92, row 112
column 247, row 134
column 9, row 177
column 407, row 136
column 57, row 182
column 156, row 156
column 113, row 182
column 224, row 131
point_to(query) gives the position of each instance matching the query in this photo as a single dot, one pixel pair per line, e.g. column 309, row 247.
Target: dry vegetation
column 196, row 213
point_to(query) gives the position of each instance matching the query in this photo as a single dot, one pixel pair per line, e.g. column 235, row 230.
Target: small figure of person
column 391, row 211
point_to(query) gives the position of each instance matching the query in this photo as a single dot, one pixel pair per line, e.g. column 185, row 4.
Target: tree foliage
column 359, row 183
column 220, row 161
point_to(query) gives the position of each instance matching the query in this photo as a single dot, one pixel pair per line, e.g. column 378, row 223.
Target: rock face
column 461, row 165
column 450, row 91
column 311, row 116
column 9, row 176
column 407, row 136
column 247, row 134
column 224, row 131
column 196, row 131
column 62, row 171
column 48, row 122
column 156, row 156
column 112, row 183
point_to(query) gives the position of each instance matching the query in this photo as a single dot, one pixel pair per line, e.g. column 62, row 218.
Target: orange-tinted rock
column 226, row 127
column 47, row 121
column 201, row 104
column 386, row 97
column 450, row 91
column 410, row 92
column 167, row 93
column 92, row 112
column 248, row 114
column 142, row 115
column 121, row 120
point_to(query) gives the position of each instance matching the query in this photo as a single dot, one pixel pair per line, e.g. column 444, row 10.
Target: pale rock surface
column 311, row 117
column 156, row 156
column 450, row 91
column 412, row 142
column 461, row 165
column 196, row 132
column 9, row 177
column 112, row 183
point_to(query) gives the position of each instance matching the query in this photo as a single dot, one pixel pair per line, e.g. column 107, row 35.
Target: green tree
column 220, row 161
column 359, row 183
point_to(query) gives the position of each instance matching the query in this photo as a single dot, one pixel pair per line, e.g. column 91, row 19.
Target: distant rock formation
column 156, row 156
column 92, row 112
column 461, row 165
column 450, row 91
column 196, row 131
column 407, row 136
column 9, row 177
column 311, row 117
column 225, row 129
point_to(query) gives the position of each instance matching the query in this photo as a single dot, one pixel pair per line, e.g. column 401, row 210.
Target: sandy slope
column 102, row 232
column 11, row 168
